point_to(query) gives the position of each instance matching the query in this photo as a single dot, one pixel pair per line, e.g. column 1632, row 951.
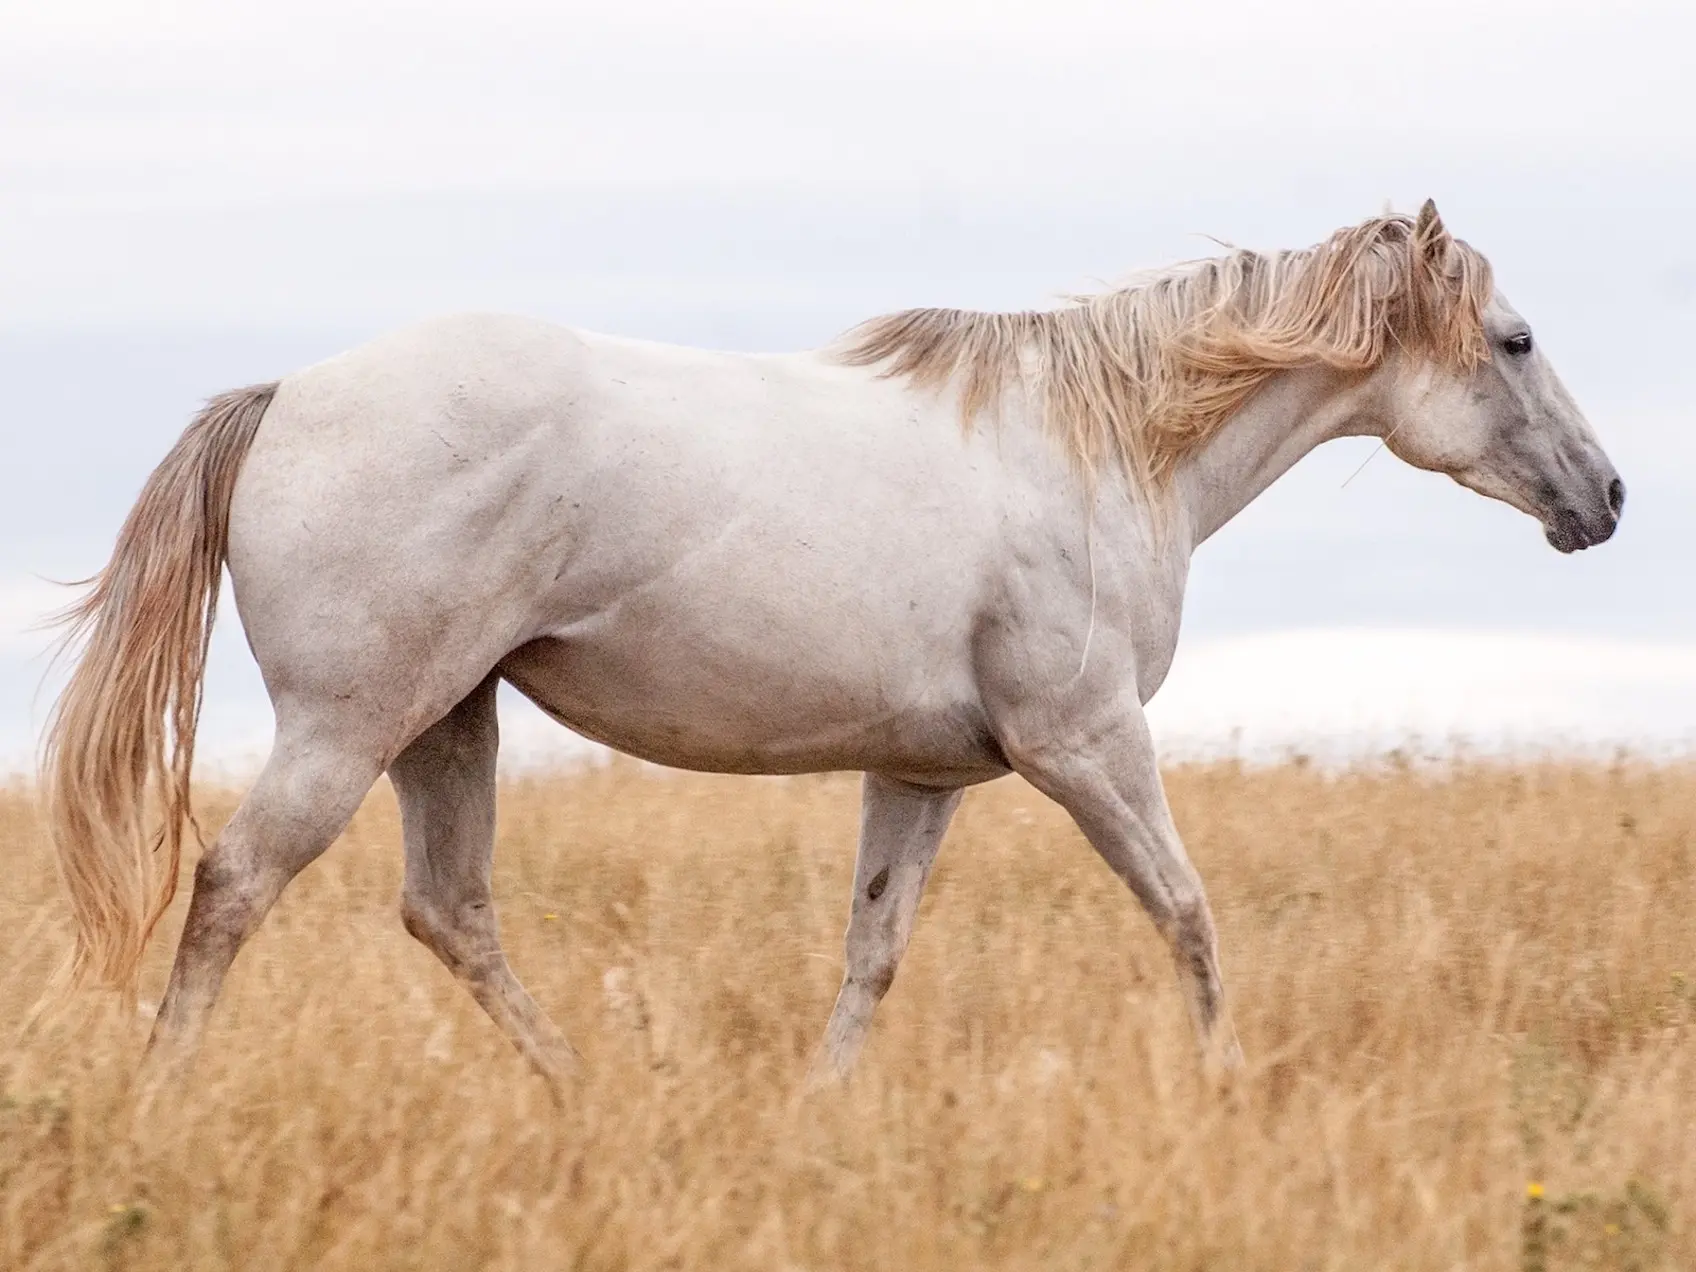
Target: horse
column 946, row 547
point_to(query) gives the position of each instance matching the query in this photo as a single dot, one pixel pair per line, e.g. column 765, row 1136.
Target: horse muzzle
column 1570, row 530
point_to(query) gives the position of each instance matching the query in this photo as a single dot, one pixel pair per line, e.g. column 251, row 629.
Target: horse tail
column 120, row 741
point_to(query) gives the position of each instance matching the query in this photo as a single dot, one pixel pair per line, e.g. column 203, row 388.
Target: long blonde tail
column 120, row 743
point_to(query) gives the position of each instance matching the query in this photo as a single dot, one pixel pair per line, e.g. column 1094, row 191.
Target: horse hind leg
column 304, row 797
column 445, row 781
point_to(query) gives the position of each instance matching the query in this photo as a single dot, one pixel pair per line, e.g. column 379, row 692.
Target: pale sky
column 196, row 195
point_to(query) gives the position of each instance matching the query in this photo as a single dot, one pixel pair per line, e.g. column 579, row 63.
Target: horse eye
column 1518, row 344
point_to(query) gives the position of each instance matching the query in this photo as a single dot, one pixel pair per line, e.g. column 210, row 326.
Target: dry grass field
column 1450, row 986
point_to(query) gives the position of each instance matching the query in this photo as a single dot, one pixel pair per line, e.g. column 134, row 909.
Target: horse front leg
column 901, row 828
column 1103, row 772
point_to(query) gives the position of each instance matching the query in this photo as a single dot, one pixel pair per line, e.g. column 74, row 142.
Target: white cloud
column 135, row 139
column 217, row 102
column 1341, row 690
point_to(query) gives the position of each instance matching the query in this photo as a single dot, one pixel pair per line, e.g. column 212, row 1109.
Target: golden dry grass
column 1448, row 987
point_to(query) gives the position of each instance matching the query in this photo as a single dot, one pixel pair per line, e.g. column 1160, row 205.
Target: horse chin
column 1562, row 538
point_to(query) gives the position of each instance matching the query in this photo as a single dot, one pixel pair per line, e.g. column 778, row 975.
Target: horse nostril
column 1616, row 496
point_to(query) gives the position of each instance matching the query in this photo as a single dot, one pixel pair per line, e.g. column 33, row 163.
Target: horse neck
column 1289, row 416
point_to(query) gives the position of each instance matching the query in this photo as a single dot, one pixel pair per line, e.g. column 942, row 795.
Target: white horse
column 951, row 547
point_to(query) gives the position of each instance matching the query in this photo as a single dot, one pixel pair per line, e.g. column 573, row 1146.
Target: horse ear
column 1429, row 232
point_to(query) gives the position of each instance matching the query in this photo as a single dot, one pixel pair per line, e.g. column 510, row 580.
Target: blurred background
column 198, row 195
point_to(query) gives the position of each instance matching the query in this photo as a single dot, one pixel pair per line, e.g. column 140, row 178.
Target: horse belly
column 698, row 708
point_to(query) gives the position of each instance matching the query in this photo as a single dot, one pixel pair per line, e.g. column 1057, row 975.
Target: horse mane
column 1143, row 374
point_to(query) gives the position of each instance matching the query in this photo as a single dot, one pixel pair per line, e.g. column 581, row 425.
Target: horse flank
column 120, row 743
column 1143, row 374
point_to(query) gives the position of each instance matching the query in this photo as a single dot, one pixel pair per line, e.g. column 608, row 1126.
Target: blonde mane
column 1143, row 374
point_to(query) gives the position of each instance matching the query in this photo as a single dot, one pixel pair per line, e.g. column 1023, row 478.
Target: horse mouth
column 1567, row 532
